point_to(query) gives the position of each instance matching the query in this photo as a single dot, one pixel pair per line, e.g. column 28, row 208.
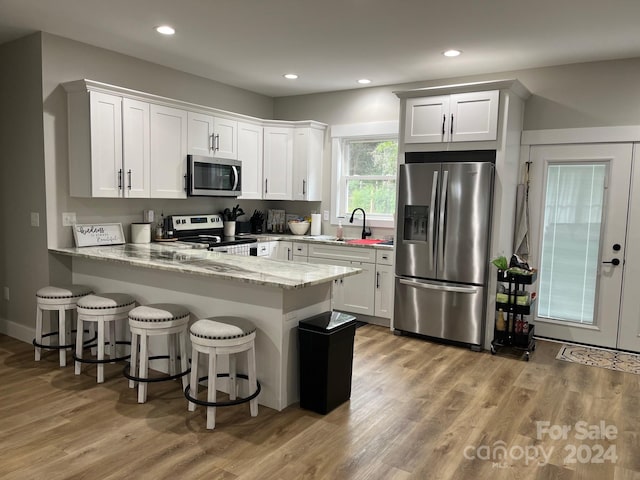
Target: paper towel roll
column 316, row 224
column 140, row 232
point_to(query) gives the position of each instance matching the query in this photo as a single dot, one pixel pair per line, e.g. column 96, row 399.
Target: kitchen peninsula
column 275, row 295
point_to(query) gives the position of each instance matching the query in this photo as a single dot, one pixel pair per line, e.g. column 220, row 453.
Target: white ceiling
column 333, row 43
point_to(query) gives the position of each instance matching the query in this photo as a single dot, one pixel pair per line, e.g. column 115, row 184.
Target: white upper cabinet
column 210, row 136
column 200, row 134
column 308, row 145
column 460, row 117
column 426, row 119
column 250, row 143
column 124, row 143
column 136, row 148
column 168, row 152
column 106, row 145
column 225, row 138
column 277, row 164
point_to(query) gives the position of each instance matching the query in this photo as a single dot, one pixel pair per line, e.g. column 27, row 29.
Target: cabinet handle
column 217, row 143
column 377, row 279
column 266, row 185
column 186, row 186
column 288, row 254
column 211, row 147
column 304, row 187
column 129, row 174
column 452, row 124
column 444, row 119
column 120, row 179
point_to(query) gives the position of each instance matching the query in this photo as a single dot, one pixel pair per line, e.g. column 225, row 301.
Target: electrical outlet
column 35, row 219
column 6, row 293
column 68, row 219
column 325, row 215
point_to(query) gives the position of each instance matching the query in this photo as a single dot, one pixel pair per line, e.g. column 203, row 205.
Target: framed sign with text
column 87, row 235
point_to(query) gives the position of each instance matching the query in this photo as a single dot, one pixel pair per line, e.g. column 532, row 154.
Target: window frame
column 340, row 134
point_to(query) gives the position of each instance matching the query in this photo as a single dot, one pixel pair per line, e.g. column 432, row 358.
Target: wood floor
column 418, row 410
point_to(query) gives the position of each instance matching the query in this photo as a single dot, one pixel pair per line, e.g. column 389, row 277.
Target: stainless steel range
column 206, row 231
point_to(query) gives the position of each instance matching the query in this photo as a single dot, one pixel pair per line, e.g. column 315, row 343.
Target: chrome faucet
column 366, row 232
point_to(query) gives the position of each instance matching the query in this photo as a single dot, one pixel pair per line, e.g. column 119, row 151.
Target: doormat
column 595, row 357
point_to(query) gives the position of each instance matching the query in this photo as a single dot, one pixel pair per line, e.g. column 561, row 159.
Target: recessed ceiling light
column 290, row 76
column 451, row 53
column 364, row 81
column 165, row 30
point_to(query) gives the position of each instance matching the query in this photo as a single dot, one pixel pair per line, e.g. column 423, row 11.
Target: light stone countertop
column 182, row 258
column 323, row 239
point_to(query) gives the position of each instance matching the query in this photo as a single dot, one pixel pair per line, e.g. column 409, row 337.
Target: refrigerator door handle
column 431, row 239
column 440, row 288
column 442, row 219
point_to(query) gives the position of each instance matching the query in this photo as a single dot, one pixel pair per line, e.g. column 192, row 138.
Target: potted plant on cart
column 229, row 217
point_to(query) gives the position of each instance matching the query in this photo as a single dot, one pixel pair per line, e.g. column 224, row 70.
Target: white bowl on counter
column 299, row 228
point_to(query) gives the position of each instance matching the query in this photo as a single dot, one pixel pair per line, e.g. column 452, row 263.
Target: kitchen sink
column 366, row 241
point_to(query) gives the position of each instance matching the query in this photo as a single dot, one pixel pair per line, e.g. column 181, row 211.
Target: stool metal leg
column 144, row 367
column 133, row 364
column 79, row 329
column 193, row 382
column 62, row 335
column 211, row 391
column 38, row 331
column 253, row 382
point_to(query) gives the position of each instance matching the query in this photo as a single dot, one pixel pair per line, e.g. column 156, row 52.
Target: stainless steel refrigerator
column 442, row 244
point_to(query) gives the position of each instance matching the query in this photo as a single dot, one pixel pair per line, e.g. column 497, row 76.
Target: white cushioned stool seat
column 223, row 336
column 222, row 328
column 151, row 320
column 102, row 308
column 60, row 298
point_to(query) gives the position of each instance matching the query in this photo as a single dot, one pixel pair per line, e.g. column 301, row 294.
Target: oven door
column 213, row 177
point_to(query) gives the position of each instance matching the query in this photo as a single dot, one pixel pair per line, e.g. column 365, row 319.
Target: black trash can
column 326, row 360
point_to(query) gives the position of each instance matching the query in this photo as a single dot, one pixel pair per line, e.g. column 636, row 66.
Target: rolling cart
column 512, row 328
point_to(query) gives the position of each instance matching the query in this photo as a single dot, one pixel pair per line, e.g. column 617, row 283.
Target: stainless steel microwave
column 213, row 177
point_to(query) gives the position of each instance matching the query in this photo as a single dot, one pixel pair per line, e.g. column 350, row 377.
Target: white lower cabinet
column 384, row 291
column 282, row 251
column 368, row 293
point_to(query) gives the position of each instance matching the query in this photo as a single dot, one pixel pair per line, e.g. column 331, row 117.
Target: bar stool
column 102, row 308
column 152, row 320
column 61, row 298
column 222, row 336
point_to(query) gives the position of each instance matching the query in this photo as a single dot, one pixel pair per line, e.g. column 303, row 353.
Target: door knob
column 616, row 247
column 614, row 262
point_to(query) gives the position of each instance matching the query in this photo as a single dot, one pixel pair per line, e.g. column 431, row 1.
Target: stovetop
column 205, row 229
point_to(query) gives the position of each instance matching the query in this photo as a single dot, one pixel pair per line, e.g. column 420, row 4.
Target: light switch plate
column 6, row 293
column 35, row 219
column 68, row 219
column 325, row 215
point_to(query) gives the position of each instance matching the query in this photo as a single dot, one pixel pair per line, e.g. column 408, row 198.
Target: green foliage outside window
column 371, row 176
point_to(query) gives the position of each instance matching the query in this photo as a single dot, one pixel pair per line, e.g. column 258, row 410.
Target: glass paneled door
column 582, row 196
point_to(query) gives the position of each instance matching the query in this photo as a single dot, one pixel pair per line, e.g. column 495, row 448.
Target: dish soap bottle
column 340, row 230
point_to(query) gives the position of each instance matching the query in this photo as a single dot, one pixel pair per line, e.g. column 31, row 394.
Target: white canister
column 140, row 232
column 316, row 224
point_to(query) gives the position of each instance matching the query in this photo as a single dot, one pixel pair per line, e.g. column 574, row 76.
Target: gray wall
column 23, row 249
column 569, row 96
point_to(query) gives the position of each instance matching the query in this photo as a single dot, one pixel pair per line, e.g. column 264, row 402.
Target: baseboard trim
column 17, row 331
